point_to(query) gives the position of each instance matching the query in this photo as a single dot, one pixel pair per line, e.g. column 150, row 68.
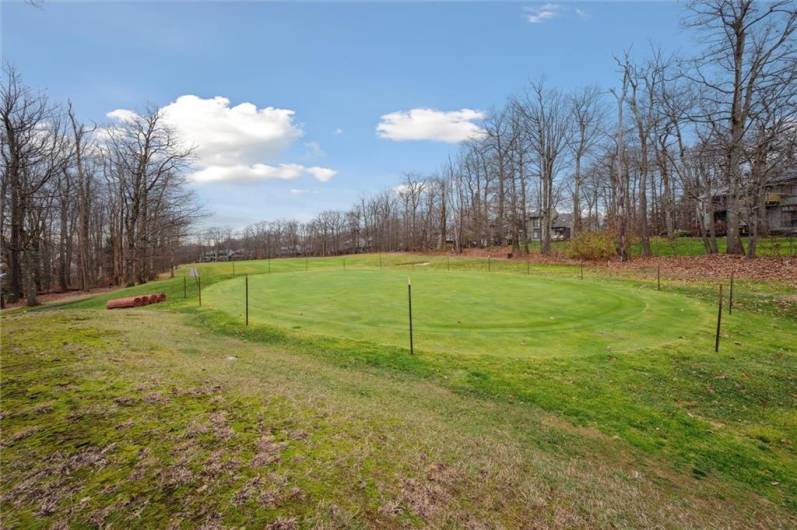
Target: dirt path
column 66, row 296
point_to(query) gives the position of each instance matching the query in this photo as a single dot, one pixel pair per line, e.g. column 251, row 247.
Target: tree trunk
column 31, row 296
column 576, row 225
column 643, row 198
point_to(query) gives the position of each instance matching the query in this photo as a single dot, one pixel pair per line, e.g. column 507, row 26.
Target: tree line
column 83, row 206
column 674, row 140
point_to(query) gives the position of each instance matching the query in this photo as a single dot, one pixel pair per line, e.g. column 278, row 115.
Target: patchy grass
column 172, row 415
column 692, row 246
column 118, row 426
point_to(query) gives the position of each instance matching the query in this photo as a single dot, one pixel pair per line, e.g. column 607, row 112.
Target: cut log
column 135, row 301
column 120, row 303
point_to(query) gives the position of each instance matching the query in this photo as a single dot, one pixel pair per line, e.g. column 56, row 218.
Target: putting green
column 467, row 312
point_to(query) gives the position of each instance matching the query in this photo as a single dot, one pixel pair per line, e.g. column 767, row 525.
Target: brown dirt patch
column 715, row 267
column 428, row 497
column 719, row 266
column 64, row 296
column 268, row 451
column 283, row 524
column 218, row 422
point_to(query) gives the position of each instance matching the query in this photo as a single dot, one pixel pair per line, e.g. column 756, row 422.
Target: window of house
column 789, row 216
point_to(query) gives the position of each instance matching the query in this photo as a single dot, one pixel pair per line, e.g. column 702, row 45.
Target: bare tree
column 34, row 153
column 546, row 124
column 587, row 115
column 621, row 176
column 80, row 145
column 750, row 49
column 641, row 101
column 145, row 155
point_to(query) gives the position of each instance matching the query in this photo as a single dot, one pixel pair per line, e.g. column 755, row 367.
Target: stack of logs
column 135, row 301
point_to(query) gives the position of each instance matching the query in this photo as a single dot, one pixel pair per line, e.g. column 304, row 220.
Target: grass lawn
column 693, row 246
column 507, row 315
column 615, row 413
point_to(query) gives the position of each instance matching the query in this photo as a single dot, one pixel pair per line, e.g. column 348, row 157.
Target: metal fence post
column 719, row 321
column 409, row 302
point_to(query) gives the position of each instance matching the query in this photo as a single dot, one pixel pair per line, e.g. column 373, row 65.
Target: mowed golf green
column 510, row 315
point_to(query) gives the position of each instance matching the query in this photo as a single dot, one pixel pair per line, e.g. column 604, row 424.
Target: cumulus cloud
column 321, row 174
column 258, row 172
column 223, row 134
column 545, row 12
column 123, row 115
column 540, row 14
column 233, row 143
column 430, row 124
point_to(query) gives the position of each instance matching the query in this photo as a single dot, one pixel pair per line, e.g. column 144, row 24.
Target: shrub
column 593, row 245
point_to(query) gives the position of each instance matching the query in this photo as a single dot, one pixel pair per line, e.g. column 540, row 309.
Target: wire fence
column 191, row 287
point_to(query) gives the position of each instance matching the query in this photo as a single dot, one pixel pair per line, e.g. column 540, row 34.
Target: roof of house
column 563, row 220
column 784, row 177
column 560, row 220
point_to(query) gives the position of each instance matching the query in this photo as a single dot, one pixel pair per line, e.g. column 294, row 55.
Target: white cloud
column 338, row 131
column 430, row 124
column 123, row 115
column 234, row 143
column 260, row 172
column 226, row 135
column 297, row 191
column 540, row 14
column 545, row 12
column 313, row 150
column 321, row 174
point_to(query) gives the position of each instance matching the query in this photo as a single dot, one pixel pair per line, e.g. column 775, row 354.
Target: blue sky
column 330, row 71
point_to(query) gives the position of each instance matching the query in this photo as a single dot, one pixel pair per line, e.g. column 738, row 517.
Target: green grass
column 692, row 246
column 508, row 315
column 477, row 428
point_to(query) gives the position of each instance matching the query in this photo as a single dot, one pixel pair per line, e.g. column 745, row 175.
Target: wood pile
column 135, row 301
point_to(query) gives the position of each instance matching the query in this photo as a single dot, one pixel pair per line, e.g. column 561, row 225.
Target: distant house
column 780, row 203
column 560, row 226
column 224, row 255
column 289, row 250
column 210, row 256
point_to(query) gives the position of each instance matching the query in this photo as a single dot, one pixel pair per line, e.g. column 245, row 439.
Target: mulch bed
column 716, row 267
column 676, row 267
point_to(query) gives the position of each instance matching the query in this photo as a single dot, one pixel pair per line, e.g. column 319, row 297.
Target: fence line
column 464, row 264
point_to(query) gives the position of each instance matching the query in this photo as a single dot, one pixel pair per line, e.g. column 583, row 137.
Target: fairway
column 509, row 315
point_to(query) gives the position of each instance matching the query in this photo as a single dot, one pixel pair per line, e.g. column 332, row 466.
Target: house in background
column 780, row 201
column 781, row 204
column 560, row 226
column 224, row 255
